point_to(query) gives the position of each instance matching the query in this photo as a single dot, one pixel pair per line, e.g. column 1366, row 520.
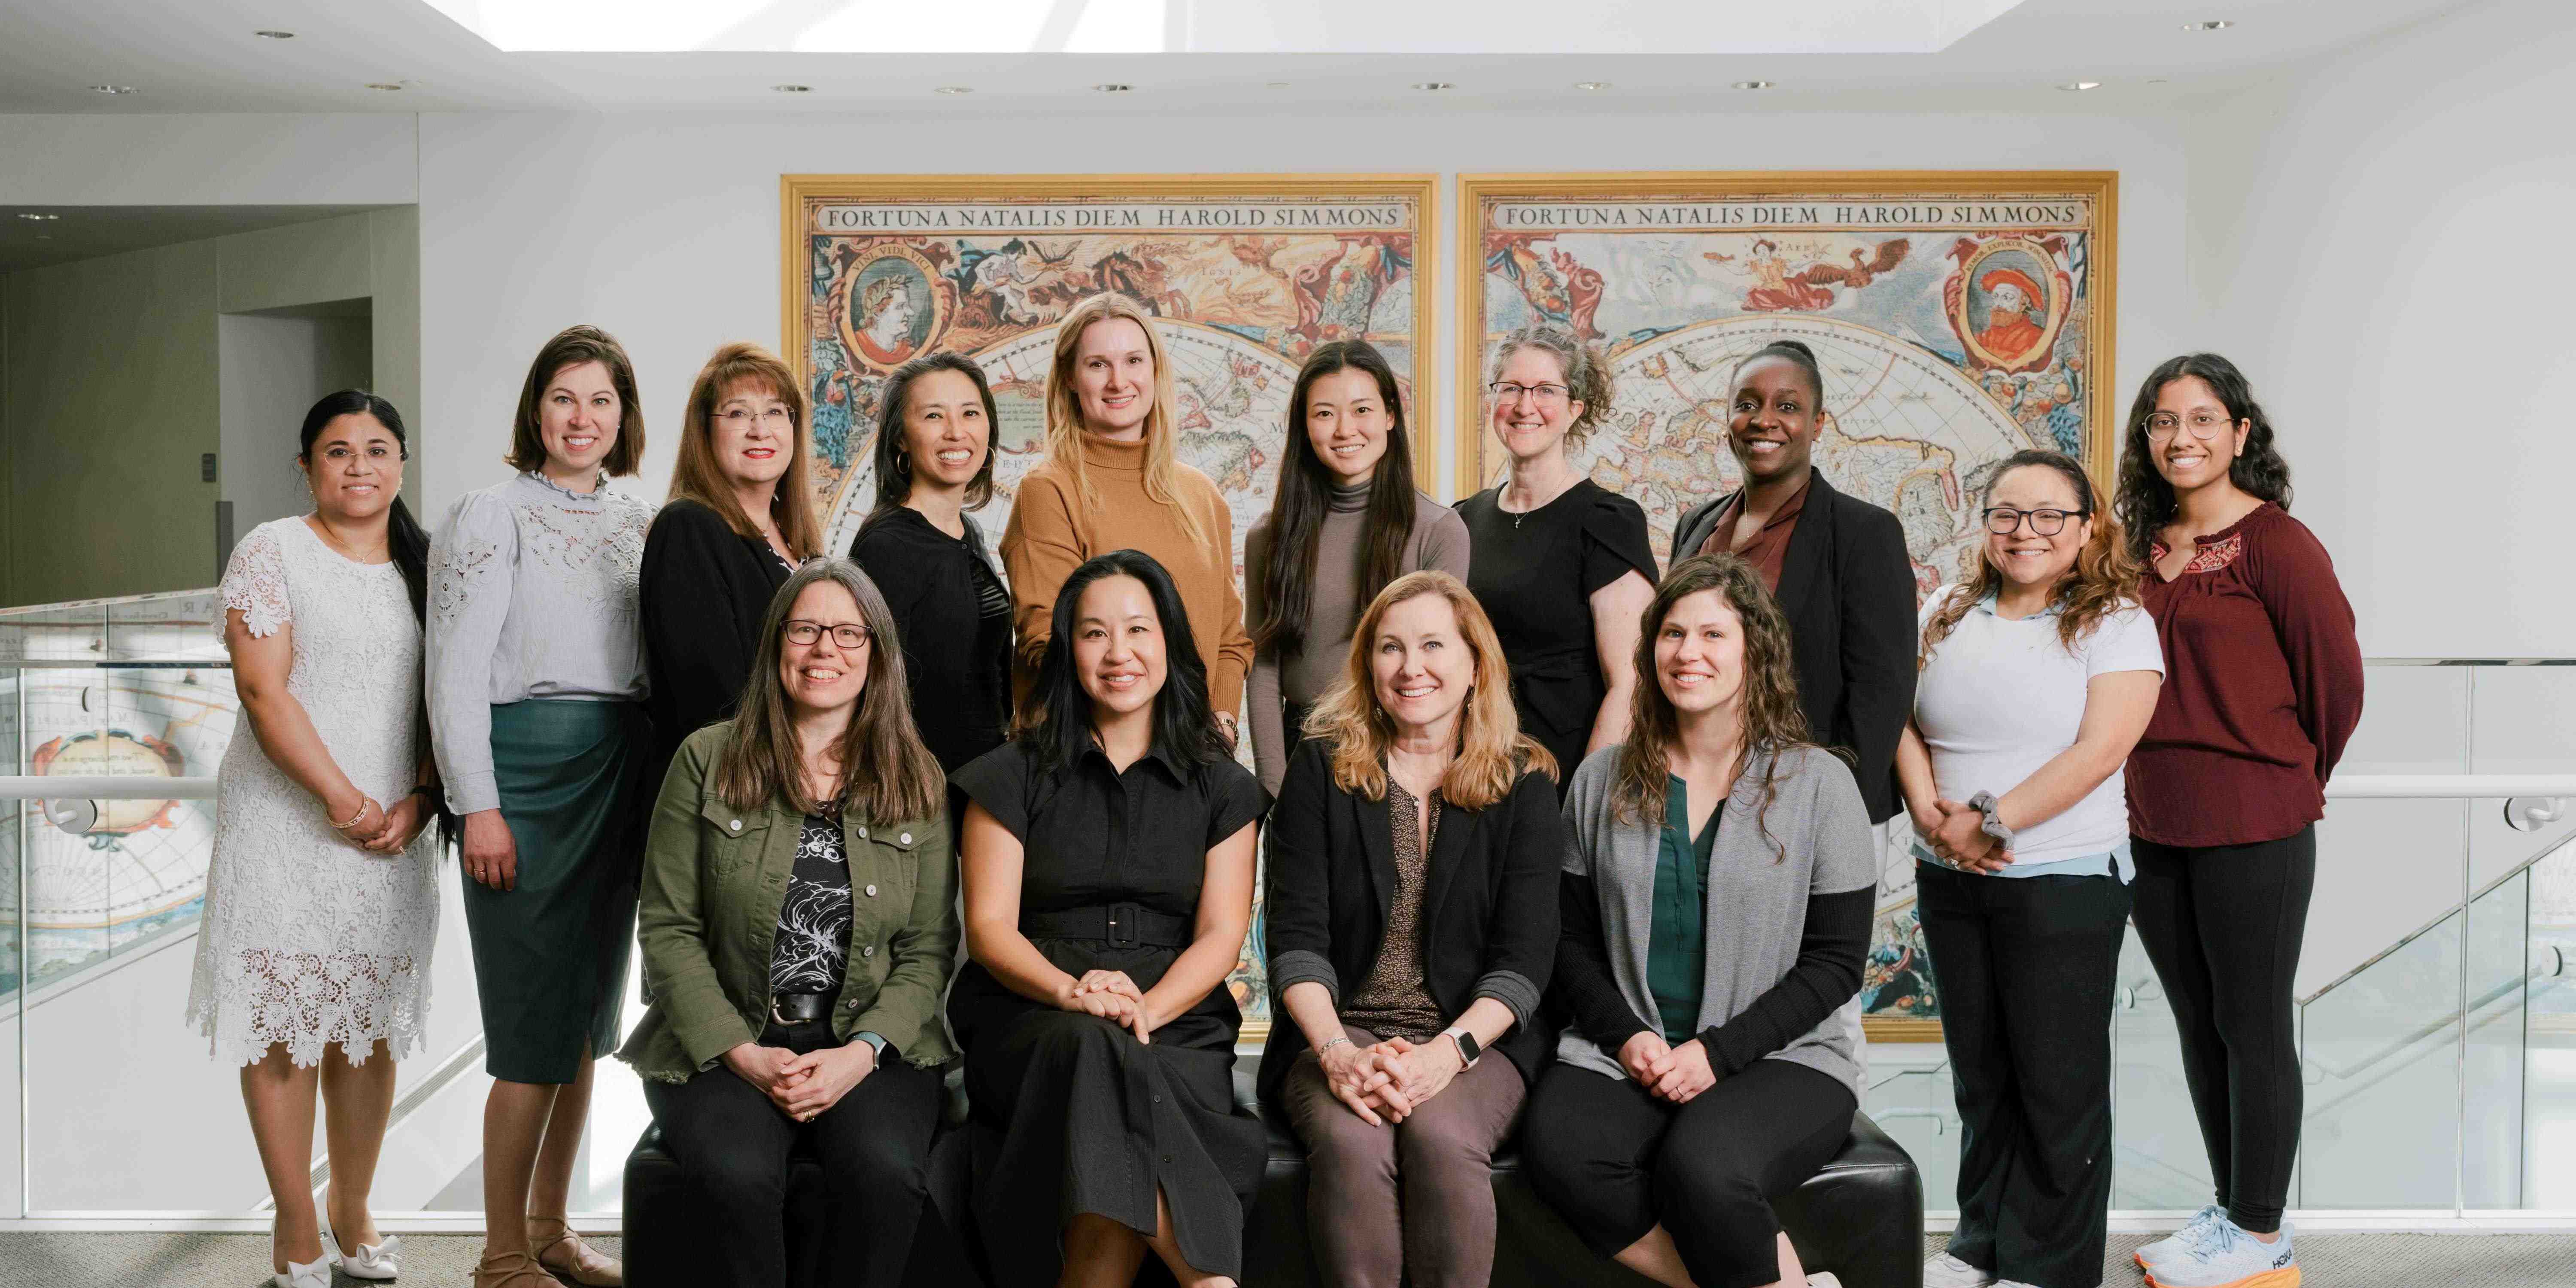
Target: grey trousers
column 1409, row 1202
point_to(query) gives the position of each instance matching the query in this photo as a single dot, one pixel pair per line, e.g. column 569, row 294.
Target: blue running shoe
column 2201, row 1225
column 2230, row 1258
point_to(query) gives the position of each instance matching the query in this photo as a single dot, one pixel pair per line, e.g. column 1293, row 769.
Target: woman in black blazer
column 1837, row 565
column 934, row 462
column 739, row 520
column 1412, row 924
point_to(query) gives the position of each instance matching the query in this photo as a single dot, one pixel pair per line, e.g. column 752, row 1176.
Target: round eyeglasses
column 2003, row 520
column 2204, row 426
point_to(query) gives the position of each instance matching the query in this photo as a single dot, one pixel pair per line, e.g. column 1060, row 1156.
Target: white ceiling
column 190, row 56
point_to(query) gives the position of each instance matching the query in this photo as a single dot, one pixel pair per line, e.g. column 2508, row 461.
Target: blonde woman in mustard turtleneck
column 1110, row 482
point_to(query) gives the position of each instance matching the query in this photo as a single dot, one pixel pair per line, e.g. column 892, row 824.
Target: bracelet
column 1330, row 1043
column 362, row 813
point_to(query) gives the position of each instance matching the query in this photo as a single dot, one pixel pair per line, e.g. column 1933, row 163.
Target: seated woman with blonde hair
column 1412, row 925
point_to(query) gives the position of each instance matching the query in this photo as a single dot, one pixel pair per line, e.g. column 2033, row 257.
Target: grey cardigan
column 1757, row 895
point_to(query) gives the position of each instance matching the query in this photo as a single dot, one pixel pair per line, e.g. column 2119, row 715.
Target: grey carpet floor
column 447, row 1260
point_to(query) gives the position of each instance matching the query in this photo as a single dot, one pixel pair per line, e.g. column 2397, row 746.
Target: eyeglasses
column 2204, row 426
column 1513, row 391
column 774, row 418
column 2003, row 520
column 848, row 635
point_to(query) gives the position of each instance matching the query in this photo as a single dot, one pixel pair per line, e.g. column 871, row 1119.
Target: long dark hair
column 2146, row 501
column 894, row 464
column 1058, row 727
column 1305, row 493
column 404, row 537
column 1766, row 705
column 887, row 775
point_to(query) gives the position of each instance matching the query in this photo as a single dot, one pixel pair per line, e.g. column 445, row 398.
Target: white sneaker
column 1946, row 1271
column 374, row 1261
column 2231, row 1258
column 2202, row 1227
column 306, row 1274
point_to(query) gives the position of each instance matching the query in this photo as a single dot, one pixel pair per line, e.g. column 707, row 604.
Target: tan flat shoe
column 510, row 1270
column 563, row 1255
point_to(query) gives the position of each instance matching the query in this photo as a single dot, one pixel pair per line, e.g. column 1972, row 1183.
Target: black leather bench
column 1861, row 1218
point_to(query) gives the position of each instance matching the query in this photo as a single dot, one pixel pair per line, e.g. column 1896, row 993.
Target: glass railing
column 2437, row 1025
column 2439, row 1038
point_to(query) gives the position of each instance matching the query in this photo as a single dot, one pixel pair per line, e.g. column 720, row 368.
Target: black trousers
column 1615, row 1162
column 873, row 1146
column 2026, row 968
column 2223, row 926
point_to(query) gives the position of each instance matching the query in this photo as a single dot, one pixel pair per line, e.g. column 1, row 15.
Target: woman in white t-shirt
column 2039, row 672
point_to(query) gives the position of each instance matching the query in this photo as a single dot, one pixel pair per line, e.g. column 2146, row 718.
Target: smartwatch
column 1469, row 1050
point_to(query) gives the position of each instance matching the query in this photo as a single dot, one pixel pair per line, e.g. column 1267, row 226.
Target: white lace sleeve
column 470, row 564
column 255, row 582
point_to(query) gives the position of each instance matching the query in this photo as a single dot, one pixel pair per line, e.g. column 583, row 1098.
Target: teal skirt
column 550, row 953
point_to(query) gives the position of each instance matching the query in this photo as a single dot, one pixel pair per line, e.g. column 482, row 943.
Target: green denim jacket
column 714, row 877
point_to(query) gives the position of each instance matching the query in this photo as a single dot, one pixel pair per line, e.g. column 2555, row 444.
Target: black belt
column 1122, row 925
column 800, row 1008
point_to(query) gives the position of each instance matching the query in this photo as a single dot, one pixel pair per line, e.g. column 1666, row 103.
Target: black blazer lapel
column 1451, row 851
column 1810, row 547
column 1374, row 820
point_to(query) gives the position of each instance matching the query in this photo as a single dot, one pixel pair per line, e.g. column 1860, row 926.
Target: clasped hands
column 375, row 829
column 1112, row 996
column 1956, row 833
column 1387, row 1082
column 1669, row 1073
column 802, row 1086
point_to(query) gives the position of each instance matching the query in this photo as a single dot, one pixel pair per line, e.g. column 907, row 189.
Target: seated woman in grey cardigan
column 1716, row 895
column 1412, row 927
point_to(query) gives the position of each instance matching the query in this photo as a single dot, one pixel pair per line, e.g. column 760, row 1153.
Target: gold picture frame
column 1959, row 315
column 1245, row 273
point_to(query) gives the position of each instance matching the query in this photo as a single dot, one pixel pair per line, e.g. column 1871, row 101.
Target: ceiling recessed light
column 954, row 89
column 111, row 89
column 1591, row 85
column 1756, row 84
column 386, row 86
column 1112, row 87
column 2081, row 85
column 31, row 214
column 2214, row 24
column 274, row 35
column 1435, row 86
column 792, row 89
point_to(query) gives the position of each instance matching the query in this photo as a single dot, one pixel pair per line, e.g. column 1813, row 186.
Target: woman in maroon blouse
column 2262, row 690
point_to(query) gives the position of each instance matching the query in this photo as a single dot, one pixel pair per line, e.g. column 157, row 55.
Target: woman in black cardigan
column 739, row 520
column 1837, row 565
column 934, row 462
column 1412, row 925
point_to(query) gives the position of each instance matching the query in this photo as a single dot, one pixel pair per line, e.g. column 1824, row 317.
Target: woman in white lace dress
column 322, row 900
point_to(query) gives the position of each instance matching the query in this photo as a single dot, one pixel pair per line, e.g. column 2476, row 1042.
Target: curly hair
column 1493, row 753
column 1587, row 373
column 1766, row 704
column 2103, row 579
column 2146, row 502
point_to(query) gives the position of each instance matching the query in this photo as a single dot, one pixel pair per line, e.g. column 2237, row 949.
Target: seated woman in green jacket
column 799, row 926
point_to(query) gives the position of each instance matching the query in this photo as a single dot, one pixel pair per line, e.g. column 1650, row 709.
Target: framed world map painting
column 1958, row 317
column 1244, row 275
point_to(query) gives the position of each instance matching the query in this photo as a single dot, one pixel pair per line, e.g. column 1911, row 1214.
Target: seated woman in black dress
column 1108, row 865
column 1718, row 885
column 934, row 462
column 1411, row 1045
column 799, row 925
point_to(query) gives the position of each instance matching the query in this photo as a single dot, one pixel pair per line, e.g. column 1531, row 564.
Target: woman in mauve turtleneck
column 1345, row 522
column 1110, row 482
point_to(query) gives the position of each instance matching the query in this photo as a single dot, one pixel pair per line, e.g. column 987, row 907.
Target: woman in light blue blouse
column 535, row 695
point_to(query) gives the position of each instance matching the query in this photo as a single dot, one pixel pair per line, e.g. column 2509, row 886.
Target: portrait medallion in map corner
column 889, row 306
column 2007, row 303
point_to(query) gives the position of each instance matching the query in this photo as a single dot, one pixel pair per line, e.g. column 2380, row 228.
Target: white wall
column 2375, row 237
column 665, row 229
column 272, row 370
